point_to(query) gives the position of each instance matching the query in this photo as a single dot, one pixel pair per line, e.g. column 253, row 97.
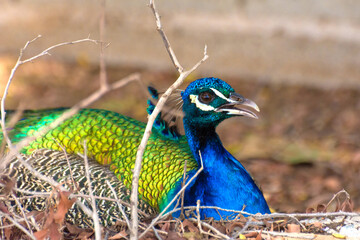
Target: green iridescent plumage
column 113, row 139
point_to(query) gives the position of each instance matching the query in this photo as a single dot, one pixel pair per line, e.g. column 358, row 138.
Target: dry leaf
column 258, row 237
column 293, row 228
column 232, row 225
column 310, row 210
column 321, row 208
column 174, row 236
column 165, row 227
column 8, row 184
column 190, row 226
column 219, row 226
column 119, row 235
column 85, row 235
column 3, row 208
column 251, row 234
column 62, row 208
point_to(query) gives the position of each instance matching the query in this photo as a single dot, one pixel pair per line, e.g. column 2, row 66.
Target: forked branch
column 160, row 104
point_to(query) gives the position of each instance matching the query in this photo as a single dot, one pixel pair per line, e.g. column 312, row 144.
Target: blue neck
column 224, row 182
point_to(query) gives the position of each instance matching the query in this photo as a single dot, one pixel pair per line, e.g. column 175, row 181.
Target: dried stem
column 168, row 47
column 76, row 186
column 95, row 216
column 18, row 225
column 20, row 62
column 141, row 149
column 183, row 193
column 152, row 117
column 118, row 203
column 284, row 235
column 217, row 232
column 22, row 212
column 156, row 233
column 335, row 196
column 198, row 217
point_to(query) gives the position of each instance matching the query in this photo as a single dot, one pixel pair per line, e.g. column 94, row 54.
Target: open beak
column 236, row 105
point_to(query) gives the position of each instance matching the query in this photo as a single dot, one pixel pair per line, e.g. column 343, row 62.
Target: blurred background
column 298, row 60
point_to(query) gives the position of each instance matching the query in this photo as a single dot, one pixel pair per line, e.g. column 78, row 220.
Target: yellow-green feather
column 113, row 139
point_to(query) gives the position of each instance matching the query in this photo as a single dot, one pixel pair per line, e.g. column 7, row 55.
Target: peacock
column 112, row 140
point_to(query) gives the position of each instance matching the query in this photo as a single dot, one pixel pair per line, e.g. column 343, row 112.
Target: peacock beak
column 239, row 106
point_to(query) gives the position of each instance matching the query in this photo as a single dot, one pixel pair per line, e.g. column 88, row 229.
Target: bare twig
column 183, row 193
column 76, row 186
column 85, row 209
column 217, row 232
column 285, row 235
column 164, row 37
column 335, row 196
column 20, row 62
column 156, row 234
column 22, row 212
column 247, row 224
column 272, row 215
column 95, row 216
column 152, row 117
column 198, row 217
column 18, row 225
column 301, row 215
column 118, row 203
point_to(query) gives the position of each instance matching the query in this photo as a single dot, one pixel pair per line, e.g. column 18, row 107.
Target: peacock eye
column 206, row 97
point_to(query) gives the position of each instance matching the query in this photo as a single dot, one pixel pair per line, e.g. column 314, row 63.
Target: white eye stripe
column 198, row 104
column 220, row 95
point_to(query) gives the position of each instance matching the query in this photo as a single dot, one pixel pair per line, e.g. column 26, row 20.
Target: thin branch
column 85, row 209
column 20, row 62
column 95, row 216
column 305, row 215
column 6, row 90
column 142, row 146
column 335, row 196
column 12, row 74
column 285, row 235
column 247, row 224
column 164, row 38
column 156, row 233
column 118, row 203
column 217, row 232
column 183, row 193
column 18, row 225
column 76, row 186
column 272, row 215
column 198, row 216
column 22, row 212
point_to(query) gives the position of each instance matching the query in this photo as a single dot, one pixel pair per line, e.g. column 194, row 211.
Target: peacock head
column 208, row 101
